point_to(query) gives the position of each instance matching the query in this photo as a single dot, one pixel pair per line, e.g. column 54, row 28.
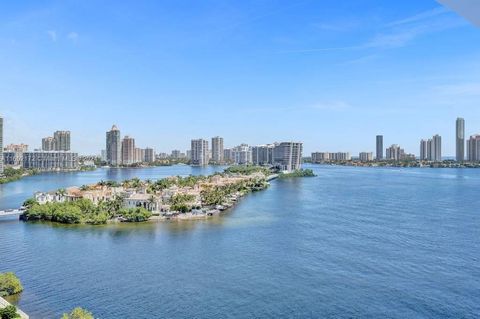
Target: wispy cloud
column 459, row 90
column 73, row 36
column 419, row 17
column 52, row 34
column 397, row 33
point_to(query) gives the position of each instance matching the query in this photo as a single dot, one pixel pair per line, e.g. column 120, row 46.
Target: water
column 352, row 242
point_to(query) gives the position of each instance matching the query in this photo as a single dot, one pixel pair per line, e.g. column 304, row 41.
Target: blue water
column 350, row 243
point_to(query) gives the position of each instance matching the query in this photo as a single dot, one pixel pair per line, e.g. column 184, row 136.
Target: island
column 135, row 200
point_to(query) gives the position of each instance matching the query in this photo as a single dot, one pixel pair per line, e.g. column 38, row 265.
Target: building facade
column 199, row 152
column 242, row 154
column 395, row 153
column 263, row 154
column 473, row 148
column 149, row 155
column 423, row 150
column 379, row 144
column 128, row 150
column 62, row 140
column 288, row 155
column 217, row 150
column 48, row 144
column 114, row 147
column 365, row 156
column 1, row 145
column 50, row 161
column 460, row 139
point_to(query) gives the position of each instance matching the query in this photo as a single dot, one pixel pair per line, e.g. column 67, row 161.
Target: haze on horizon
column 332, row 75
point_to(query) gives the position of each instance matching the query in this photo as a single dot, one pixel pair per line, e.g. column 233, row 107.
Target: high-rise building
column 114, row 147
column 395, row 153
column 175, row 154
column 139, row 155
column 227, row 155
column 473, row 148
column 437, row 148
column 199, row 149
column 128, row 150
column 288, row 155
column 62, row 140
column 48, row 144
column 50, row 160
column 149, row 155
column 365, row 156
column 217, row 150
column 460, row 139
column 320, row 157
column 379, row 155
column 1, row 145
column 242, row 154
column 103, row 155
column 423, row 150
column 262, row 154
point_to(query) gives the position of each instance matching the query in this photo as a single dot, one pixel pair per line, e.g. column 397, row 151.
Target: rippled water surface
column 352, row 242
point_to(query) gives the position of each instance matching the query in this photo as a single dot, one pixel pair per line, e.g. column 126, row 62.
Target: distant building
column 460, row 139
column 288, row 155
column 433, row 149
column 188, row 154
column 62, row 140
column 139, row 155
column 365, row 156
column 48, row 144
column 473, row 148
column 128, row 150
column 199, row 148
column 379, row 154
column 175, row 154
column 395, row 153
column 149, row 155
column 227, row 155
column 103, row 155
column 1, row 145
column 263, row 154
column 320, row 157
column 242, row 154
column 20, row 148
column 423, row 150
column 217, row 150
column 50, row 161
column 114, row 147
column 340, row 156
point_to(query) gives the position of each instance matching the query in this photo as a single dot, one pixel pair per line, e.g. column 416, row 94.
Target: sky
column 332, row 74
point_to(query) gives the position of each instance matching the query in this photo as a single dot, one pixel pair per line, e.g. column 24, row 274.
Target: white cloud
column 52, row 34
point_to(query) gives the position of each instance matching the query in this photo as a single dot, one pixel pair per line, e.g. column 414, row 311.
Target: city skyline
column 322, row 78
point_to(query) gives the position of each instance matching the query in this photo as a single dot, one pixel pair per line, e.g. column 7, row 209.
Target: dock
column 11, row 212
column 4, row 304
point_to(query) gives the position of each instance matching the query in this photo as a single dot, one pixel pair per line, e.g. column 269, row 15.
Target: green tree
column 78, row 313
column 9, row 284
column 9, row 312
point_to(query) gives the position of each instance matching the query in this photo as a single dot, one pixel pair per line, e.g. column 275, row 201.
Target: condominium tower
column 62, row 140
column 199, row 150
column 217, row 150
column 48, row 144
column 460, row 139
column 128, row 150
column 114, row 147
column 1, row 145
column 379, row 147
column 473, row 148
column 288, row 155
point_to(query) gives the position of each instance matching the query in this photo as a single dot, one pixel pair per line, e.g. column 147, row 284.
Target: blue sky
column 332, row 74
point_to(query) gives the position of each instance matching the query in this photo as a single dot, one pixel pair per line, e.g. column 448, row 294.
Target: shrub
column 9, row 284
